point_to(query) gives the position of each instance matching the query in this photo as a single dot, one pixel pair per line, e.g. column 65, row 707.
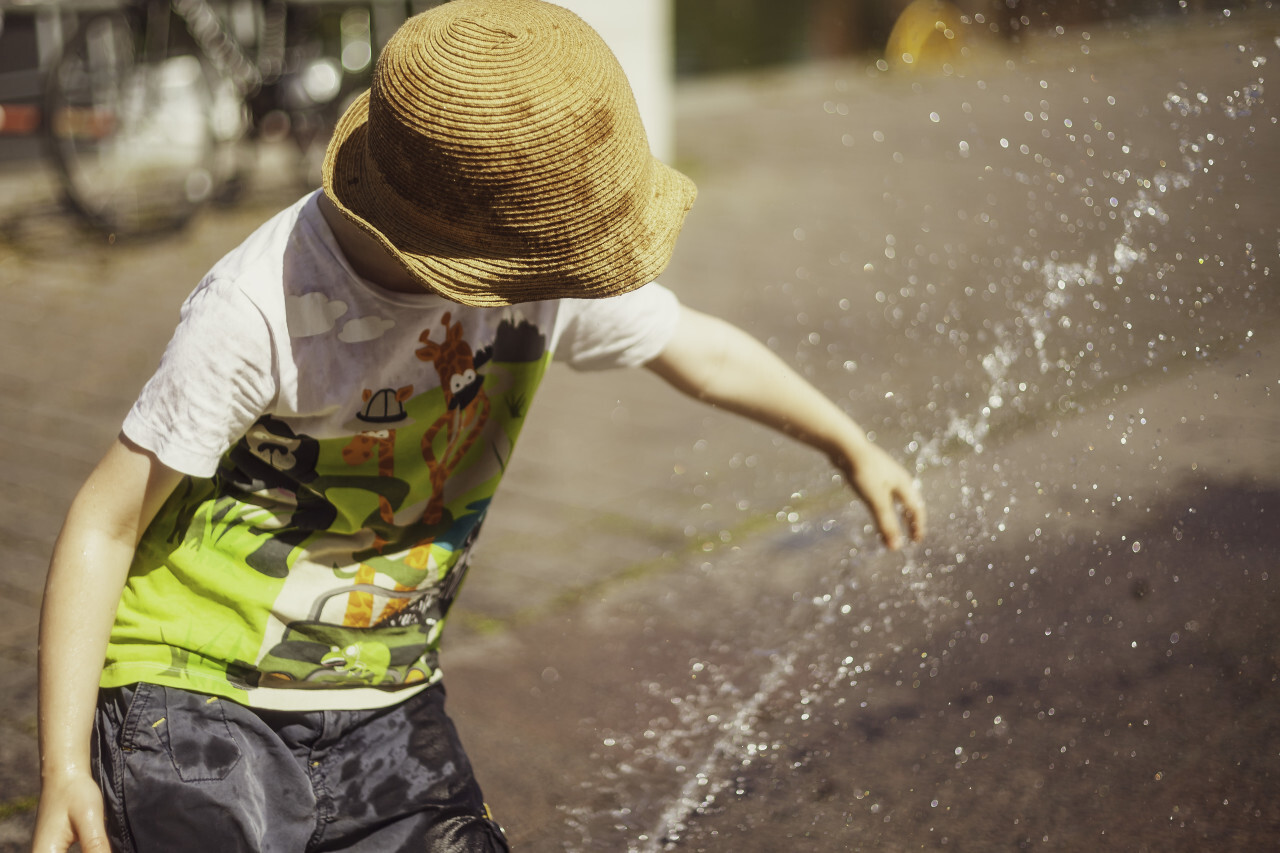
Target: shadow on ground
column 1122, row 697
column 1112, row 690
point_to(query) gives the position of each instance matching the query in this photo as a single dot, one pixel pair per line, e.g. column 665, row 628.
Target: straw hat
column 501, row 158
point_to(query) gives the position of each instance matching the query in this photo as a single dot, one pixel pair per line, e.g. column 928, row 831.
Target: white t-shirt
column 342, row 444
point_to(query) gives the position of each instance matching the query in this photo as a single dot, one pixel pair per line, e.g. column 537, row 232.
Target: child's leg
column 187, row 772
column 397, row 779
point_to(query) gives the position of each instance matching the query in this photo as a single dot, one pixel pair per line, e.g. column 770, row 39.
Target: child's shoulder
column 265, row 247
column 287, row 252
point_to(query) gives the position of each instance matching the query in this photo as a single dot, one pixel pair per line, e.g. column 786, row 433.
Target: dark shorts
column 187, row 772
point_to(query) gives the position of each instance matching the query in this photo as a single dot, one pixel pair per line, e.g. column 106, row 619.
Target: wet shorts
column 187, row 772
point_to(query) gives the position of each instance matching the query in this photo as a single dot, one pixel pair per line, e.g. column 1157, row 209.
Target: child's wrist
column 55, row 768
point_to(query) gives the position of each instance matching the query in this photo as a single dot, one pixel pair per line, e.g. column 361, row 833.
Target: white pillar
column 639, row 32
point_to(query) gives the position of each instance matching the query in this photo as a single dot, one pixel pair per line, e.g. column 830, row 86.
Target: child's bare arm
column 718, row 363
column 90, row 562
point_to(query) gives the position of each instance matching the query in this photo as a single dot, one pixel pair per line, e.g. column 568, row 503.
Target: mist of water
column 1100, row 249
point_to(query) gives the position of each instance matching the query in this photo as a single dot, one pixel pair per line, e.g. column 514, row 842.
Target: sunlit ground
column 1048, row 285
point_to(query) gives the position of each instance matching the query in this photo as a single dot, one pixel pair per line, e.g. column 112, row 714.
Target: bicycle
column 148, row 104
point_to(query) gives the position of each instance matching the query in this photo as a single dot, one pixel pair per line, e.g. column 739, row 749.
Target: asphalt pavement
column 655, row 608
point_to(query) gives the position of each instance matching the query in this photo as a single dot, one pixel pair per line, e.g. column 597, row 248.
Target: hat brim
column 628, row 252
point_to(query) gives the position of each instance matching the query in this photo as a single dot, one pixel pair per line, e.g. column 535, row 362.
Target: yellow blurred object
column 929, row 35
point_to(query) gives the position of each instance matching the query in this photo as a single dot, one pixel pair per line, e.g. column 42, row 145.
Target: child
column 265, row 557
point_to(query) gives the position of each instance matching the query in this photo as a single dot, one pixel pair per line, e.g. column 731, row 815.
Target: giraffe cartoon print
column 382, row 415
column 466, row 411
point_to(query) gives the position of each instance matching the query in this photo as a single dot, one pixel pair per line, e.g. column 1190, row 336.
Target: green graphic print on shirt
column 330, row 562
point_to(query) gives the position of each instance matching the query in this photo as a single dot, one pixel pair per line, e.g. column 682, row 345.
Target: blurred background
column 283, row 70
column 724, row 35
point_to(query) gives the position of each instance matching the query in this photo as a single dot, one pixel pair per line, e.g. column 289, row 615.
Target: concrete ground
column 1047, row 283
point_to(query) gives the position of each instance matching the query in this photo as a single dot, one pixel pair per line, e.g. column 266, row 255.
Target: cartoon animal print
column 406, row 605
column 361, row 600
column 359, row 613
column 271, row 457
column 467, row 409
column 514, row 341
column 383, row 412
column 365, row 661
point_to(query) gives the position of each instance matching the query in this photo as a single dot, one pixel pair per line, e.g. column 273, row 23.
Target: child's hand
column 70, row 810
column 884, row 485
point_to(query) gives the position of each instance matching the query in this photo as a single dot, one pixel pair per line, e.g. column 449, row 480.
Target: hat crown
column 500, row 158
column 507, row 114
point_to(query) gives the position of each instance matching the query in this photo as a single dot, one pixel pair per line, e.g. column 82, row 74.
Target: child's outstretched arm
column 90, row 562
column 718, row 363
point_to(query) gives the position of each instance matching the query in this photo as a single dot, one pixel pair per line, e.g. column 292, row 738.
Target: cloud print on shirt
column 363, row 329
column 312, row 314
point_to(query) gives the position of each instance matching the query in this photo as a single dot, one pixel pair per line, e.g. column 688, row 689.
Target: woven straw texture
column 500, row 156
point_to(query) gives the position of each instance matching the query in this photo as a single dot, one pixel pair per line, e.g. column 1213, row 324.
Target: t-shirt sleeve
column 216, row 378
column 616, row 331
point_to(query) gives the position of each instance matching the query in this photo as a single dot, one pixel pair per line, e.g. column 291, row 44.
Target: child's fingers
column 95, row 840
column 914, row 511
column 890, row 494
column 885, row 509
column 885, row 513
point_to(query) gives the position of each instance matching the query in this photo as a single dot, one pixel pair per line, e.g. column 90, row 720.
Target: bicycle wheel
column 130, row 131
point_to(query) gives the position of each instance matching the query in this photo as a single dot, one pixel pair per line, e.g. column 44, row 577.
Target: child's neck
column 367, row 256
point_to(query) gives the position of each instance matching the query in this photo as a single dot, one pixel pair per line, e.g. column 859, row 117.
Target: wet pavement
column 1048, row 284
